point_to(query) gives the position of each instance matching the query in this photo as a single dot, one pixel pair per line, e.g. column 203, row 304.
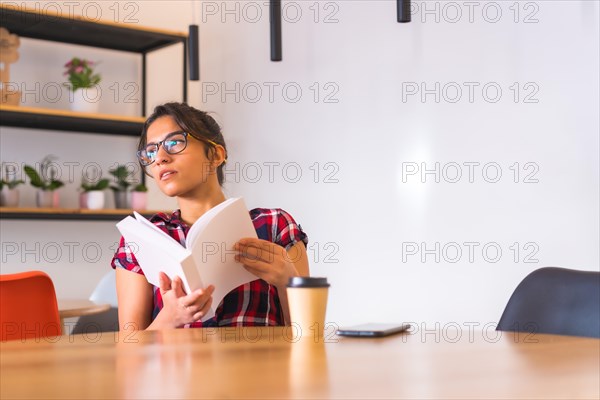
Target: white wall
column 367, row 216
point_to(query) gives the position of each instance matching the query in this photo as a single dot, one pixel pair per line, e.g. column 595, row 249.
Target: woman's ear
column 218, row 155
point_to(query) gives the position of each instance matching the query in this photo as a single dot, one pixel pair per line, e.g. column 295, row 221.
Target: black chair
column 107, row 321
column 557, row 301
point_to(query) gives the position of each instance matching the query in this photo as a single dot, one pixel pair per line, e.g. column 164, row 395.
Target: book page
column 199, row 225
column 212, row 248
column 155, row 253
column 145, row 221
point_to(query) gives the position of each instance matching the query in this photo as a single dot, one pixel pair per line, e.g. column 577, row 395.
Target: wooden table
column 265, row 363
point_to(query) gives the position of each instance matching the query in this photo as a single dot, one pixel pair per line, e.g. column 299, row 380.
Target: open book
column 206, row 259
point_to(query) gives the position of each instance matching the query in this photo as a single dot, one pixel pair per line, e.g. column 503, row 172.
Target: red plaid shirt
column 254, row 303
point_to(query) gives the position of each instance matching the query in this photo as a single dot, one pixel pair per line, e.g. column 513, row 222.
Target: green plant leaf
column 140, row 188
column 121, row 173
column 34, row 177
column 53, row 185
column 14, row 184
column 84, row 78
column 102, row 184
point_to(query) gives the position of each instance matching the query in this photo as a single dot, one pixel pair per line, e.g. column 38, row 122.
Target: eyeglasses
column 174, row 143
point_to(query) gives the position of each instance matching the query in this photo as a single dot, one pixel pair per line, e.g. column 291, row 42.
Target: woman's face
column 181, row 174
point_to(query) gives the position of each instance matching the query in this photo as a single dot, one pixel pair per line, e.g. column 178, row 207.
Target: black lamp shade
column 275, row 24
column 194, row 53
column 403, row 10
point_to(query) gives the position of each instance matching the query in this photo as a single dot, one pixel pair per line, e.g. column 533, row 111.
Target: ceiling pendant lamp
column 275, row 25
column 403, row 10
column 193, row 46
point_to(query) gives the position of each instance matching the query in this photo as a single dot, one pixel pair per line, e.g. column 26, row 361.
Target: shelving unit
column 67, row 214
column 52, row 26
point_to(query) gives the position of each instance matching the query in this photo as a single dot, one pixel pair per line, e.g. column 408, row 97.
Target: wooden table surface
column 266, row 363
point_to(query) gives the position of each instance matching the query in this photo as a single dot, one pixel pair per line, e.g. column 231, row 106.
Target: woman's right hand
column 180, row 308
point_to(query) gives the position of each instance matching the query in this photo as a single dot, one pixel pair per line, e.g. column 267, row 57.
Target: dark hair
column 193, row 121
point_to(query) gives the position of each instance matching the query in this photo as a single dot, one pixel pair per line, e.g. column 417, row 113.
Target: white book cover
column 207, row 259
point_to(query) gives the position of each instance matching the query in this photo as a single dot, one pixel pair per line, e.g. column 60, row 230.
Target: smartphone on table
column 372, row 330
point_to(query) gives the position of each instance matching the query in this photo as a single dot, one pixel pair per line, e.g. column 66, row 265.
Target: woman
column 183, row 149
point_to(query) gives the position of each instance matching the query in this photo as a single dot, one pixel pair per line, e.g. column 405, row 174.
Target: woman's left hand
column 268, row 261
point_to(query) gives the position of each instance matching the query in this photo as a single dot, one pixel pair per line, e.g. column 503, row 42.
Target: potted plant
column 119, row 188
column 93, row 194
column 46, row 196
column 9, row 194
column 83, row 83
column 139, row 197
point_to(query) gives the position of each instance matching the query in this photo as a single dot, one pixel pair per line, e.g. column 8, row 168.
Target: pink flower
column 79, row 70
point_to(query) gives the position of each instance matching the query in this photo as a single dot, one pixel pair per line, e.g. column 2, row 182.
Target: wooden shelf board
column 68, row 213
column 72, row 114
column 52, row 25
column 46, row 118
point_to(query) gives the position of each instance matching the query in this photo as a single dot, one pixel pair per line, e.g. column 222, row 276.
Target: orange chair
column 28, row 306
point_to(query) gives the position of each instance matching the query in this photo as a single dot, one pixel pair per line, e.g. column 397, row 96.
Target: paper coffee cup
column 307, row 299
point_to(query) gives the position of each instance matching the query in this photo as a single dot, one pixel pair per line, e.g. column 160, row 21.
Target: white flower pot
column 47, row 198
column 9, row 197
column 139, row 200
column 86, row 99
column 92, row 200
